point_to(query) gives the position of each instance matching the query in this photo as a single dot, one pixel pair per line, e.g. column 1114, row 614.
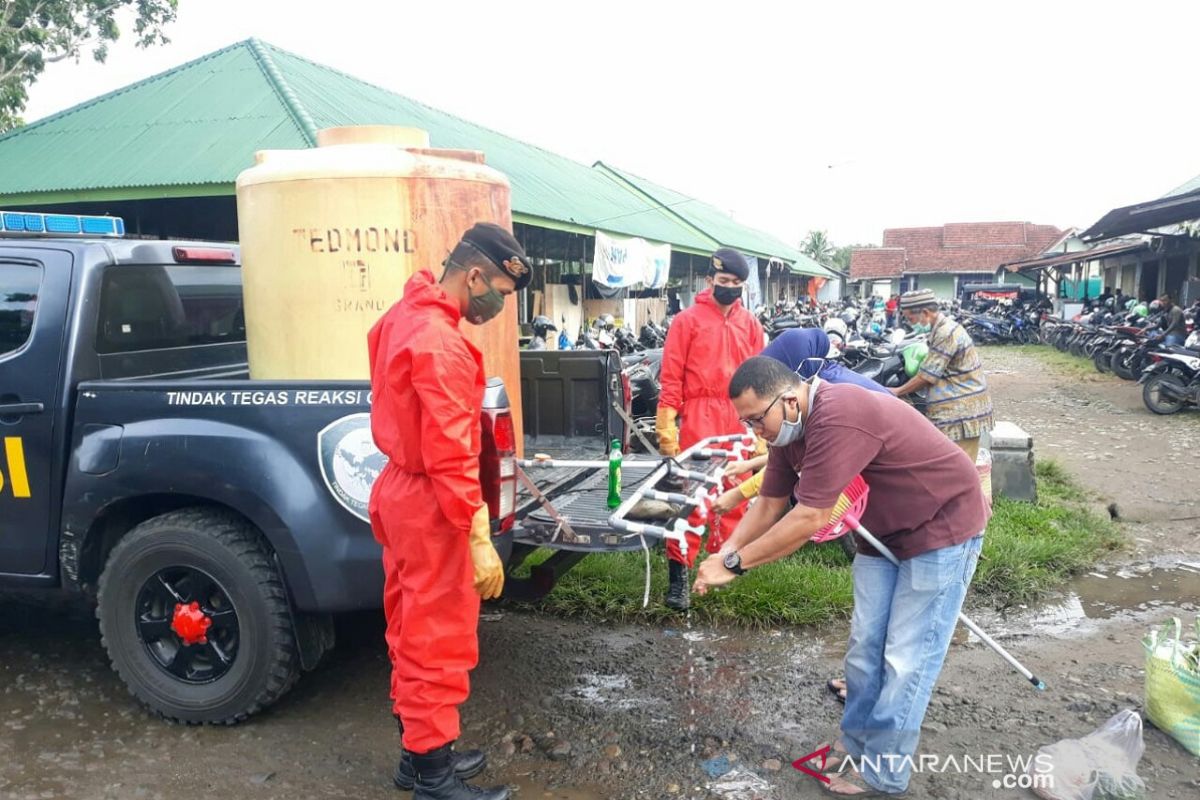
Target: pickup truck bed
column 585, row 506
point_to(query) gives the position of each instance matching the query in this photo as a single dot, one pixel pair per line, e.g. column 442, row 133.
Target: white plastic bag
column 1100, row 766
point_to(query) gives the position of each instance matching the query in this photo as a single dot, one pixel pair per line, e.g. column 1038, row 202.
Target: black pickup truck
column 216, row 521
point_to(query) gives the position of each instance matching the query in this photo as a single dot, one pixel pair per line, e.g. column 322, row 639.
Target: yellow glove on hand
column 752, row 486
column 668, row 434
column 489, row 572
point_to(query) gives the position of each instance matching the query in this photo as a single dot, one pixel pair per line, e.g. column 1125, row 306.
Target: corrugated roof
column 196, row 124
column 715, row 224
column 1075, row 256
column 201, row 122
column 1186, row 188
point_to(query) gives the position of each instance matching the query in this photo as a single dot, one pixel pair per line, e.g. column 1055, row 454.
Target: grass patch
column 1029, row 548
column 1056, row 359
column 807, row 588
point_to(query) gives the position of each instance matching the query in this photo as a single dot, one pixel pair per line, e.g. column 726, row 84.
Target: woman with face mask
column 427, row 509
column 804, row 352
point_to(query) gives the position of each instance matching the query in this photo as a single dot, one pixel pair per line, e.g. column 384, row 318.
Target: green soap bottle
column 614, row 475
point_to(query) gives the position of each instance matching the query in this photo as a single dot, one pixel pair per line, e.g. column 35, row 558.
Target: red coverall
column 427, row 383
column 704, row 348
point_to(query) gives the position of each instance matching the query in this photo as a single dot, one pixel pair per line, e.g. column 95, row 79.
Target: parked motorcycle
column 626, row 343
column 652, row 335
column 894, row 363
column 1172, row 381
column 643, row 371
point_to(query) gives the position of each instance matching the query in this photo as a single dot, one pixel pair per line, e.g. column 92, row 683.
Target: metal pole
column 975, row 629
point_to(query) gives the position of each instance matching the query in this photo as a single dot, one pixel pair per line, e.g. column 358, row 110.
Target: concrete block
column 1012, row 462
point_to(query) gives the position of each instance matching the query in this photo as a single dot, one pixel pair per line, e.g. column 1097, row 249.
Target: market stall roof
column 1065, row 259
column 1179, row 205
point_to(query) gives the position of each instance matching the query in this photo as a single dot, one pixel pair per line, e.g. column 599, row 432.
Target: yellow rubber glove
column 668, row 434
column 489, row 572
column 752, row 486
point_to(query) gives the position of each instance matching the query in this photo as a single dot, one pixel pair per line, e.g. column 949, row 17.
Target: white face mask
column 792, row 432
column 789, row 432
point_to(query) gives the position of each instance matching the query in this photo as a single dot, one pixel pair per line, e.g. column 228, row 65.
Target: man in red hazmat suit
column 705, row 346
column 427, row 508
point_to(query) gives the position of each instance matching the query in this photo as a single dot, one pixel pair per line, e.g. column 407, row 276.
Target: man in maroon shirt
column 926, row 506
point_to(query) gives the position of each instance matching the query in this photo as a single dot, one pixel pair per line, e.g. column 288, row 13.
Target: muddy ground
column 573, row 710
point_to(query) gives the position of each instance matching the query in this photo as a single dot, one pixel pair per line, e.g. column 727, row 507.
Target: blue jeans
column 903, row 620
column 1175, row 339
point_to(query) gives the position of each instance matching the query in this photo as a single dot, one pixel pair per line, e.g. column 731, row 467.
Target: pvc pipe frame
column 975, row 629
column 677, row 532
column 526, row 463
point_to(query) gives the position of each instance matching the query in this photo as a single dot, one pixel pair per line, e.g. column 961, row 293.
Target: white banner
column 754, row 296
column 622, row 262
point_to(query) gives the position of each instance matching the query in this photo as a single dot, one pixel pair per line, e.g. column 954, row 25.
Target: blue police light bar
column 37, row 224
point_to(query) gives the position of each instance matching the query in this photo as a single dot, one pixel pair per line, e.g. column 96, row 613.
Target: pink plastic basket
column 856, row 495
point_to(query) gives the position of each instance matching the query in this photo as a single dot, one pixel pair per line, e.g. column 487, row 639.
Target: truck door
column 34, row 291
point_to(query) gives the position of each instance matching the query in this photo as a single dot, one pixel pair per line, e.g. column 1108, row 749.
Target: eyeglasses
column 756, row 422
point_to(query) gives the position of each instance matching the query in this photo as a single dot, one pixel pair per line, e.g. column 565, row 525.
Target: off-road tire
column 232, row 552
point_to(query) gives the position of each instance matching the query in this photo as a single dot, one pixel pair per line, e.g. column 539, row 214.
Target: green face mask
column 922, row 327
column 482, row 307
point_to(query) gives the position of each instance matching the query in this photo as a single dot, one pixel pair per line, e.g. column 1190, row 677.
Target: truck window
column 18, row 299
column 153, row 307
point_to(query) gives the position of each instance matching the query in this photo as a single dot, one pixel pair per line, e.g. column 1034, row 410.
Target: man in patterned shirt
column 952, row 375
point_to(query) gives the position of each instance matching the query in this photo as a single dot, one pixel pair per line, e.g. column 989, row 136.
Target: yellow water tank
column 331, row 234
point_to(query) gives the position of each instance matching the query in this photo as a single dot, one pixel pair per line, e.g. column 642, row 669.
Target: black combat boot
column 678, row 593
column 467, row 764
column 436, row 780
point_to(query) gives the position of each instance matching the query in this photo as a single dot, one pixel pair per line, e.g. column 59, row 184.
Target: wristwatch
column 733, row 563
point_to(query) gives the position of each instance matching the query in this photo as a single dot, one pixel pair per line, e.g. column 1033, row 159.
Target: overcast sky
column 850, row 118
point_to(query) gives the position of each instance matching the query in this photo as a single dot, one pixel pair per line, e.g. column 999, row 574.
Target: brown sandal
column 836, row 756
column 855, row 780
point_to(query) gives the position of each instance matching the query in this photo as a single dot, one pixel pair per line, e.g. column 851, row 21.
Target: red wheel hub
column 191, row 624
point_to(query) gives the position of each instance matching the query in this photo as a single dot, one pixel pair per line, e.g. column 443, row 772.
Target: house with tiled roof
column 945, row 257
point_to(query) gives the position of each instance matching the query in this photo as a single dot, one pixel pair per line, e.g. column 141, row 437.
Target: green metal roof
column 192, row 129
column 717, row 225
column 1186, row 188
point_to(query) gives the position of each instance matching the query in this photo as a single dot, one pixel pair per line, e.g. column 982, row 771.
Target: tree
column 818, row 247
column 34, row 33
column 841, row 257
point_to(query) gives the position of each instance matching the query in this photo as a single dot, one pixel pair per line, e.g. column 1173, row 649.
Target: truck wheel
column 195, row 618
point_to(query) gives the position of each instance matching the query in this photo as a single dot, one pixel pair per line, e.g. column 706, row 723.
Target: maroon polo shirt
column 925, row 491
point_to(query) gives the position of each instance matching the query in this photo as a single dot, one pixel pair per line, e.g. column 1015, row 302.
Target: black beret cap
column 502, row 249
column 731, row 261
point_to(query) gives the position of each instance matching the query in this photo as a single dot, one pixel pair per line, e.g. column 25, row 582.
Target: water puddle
column 610, row 691
column 1090, row 599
